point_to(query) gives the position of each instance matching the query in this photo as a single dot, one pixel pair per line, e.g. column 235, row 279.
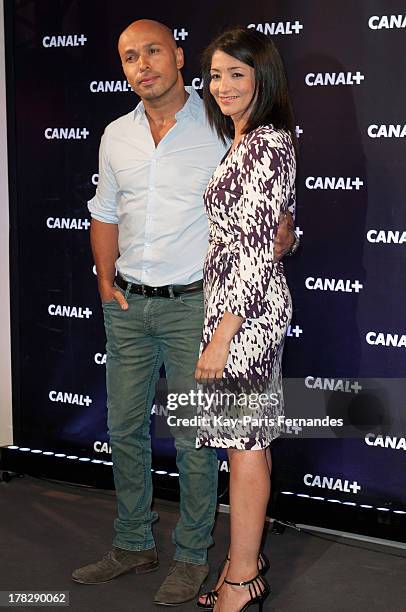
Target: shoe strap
column 256, row 586
column 211, row 598
column 243, row 582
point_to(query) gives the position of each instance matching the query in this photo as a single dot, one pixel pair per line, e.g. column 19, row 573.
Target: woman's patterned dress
column 244, row 198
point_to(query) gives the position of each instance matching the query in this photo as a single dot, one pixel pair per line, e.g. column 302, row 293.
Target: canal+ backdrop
column 345, row 349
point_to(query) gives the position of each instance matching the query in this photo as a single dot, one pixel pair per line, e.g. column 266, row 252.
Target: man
column 148, row 220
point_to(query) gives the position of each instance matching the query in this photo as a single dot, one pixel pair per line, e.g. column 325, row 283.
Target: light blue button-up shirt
column 155, row 193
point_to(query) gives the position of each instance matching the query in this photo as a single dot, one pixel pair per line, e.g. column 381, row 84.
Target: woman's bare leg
column 249, row 495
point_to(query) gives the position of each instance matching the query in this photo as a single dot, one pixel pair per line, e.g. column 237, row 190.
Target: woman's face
column 232, row 84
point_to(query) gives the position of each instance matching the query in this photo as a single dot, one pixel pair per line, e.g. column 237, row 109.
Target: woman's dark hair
column 272, row 101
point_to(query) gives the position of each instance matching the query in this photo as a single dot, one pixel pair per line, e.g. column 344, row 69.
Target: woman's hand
column 213, row 359
column 284, row 238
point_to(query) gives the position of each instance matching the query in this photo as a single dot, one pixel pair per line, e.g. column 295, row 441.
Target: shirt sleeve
column 103, row 206
column 266, row 191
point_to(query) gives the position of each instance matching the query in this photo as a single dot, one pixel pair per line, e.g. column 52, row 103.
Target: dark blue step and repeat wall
column 345, row 63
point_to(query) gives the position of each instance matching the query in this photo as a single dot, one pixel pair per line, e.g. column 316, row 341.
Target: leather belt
column 167, row 291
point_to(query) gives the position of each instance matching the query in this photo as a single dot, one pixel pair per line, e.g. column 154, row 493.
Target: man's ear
column 180, row 58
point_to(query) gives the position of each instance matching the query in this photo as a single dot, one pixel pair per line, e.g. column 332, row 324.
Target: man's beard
column 157, row 91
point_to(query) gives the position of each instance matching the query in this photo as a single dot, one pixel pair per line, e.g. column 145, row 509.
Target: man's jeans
column 151, row 332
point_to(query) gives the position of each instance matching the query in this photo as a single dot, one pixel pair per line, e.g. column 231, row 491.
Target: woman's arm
column 214, row 358
column 266, row 185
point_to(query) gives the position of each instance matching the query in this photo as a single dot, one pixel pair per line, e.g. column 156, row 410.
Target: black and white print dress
column 249, row 189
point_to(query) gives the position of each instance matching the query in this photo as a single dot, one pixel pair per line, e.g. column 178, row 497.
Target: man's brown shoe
column 117, row 562
column 182, row 583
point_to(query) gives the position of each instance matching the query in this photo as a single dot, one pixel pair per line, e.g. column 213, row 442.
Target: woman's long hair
column 271, row 99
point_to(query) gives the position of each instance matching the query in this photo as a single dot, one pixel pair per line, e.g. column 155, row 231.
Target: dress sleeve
column 103, row 206
column 292, row 203
column 266, row 190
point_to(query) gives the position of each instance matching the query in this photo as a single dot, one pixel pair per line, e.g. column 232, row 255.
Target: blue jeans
column 151, row 332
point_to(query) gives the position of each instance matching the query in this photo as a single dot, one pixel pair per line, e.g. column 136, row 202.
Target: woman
column 248, row 304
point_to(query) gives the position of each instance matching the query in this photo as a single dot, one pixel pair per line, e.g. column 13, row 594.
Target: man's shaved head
column 144, row 25
column 151, row 60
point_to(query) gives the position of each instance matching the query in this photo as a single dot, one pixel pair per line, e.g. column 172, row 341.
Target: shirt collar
column 193, row 107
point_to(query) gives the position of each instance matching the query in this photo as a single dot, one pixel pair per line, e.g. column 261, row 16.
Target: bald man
column 149, row 223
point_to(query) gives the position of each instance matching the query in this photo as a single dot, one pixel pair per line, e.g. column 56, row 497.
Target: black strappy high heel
column 211, row 596
column 258, row 589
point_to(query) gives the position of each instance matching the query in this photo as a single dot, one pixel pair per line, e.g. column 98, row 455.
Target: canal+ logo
column 386, row 236
column 333, row 384
column 66, row 133
column 100, row 358
column 294, row 332
column 102, row 447
column 333, row 484
column 278, row 27
column 387, row 22
column 385, row 441
column 67, row 223
column 346, row 183
column 387, row 130
column 333, row 284
column 379, row 338
column 313, row 79
column 110, row 86
column 64, row 40
column 180, row 33
column 67, row 397
column 75, row 312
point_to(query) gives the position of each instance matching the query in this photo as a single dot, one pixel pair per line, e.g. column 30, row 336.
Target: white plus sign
column 82, row 39
column 293, row 429
column 357, row 183
column 297, row 26
column 87, row 400
column 358, row 77
column 298, row 231
column 87, row 312
column 357, row 286
column 297, row 331
column 355, row 487
column 84, row 132
column 180, row 34
column 86, row 223
column 299, row 131
column 356, row 386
